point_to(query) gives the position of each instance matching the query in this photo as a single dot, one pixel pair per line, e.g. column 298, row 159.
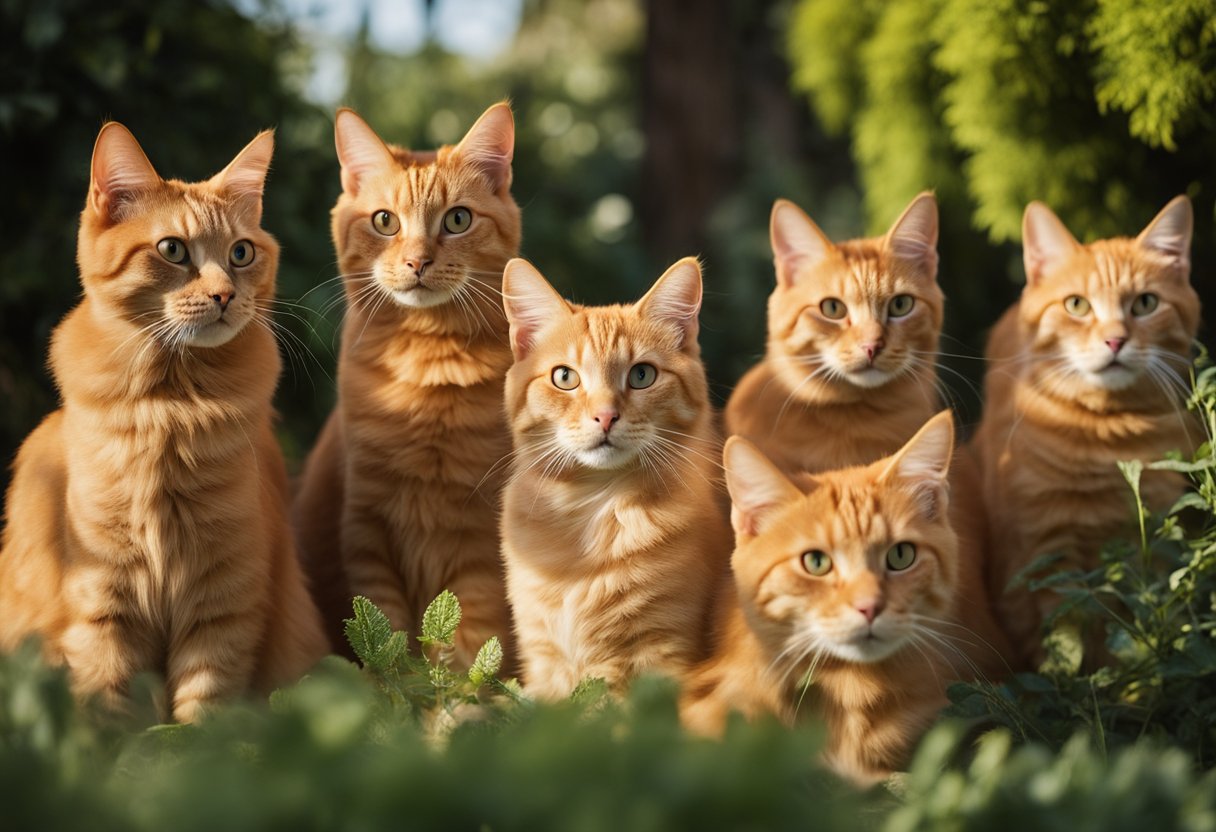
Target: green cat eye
column 900, row 305
column 901, row 556
column 1144, row 304
column 241, row 253
column 1077, row 306
column 833, row 308
column 173, row 250
column 386, row 223
column 817, row 562
column 642, row 376
column 457, row 221
column 565, row 378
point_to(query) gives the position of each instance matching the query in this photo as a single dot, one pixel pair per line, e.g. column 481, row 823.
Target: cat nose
column 222, row 299
column 870, row 609
column 872, row 349
column 607, row 418
column 1115, row 344
column 418, row 264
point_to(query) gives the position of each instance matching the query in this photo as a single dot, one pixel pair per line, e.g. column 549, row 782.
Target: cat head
column 860, row 313
column 1114, row 314
column 604, row 388
column 853, row 564
column 420, row 229
column 187, row 263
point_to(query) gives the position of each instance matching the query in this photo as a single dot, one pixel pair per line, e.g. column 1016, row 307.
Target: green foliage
column 1154, row 600
column 1098, row 107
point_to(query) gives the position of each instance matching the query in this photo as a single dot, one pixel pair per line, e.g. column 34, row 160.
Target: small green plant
column 423, row 686
column 1155, row 599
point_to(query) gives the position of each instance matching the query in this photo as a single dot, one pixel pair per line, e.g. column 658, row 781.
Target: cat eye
column 1144, row 304
column 457, row 221
column 817, row 562
column 900, row 305
column 565, row 378
column 242, row 253
column 642, row 376
column 1077, row 306
column 832, row 308
column 386, row 223
column 173, row 250
column 901, row 556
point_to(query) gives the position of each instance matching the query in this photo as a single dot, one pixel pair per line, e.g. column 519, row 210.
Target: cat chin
column 421, row 297
column 214, row 334
column 869, row 378
column 1113, row 378
column 604, row 457
column 865, row 650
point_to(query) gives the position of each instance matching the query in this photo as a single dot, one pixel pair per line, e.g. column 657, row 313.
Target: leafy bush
column 1155, row 599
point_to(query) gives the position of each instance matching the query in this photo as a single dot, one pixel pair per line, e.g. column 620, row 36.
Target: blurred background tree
column 647, row 130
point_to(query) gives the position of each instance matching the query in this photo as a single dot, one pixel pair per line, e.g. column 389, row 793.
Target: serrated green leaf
column 390, row 652
column 487, row 663
column 441, row 619
column 368, row 631
column 1131, row 470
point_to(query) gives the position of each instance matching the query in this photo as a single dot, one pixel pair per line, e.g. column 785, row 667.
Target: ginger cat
column 1085, row 370
column 853, row 328
column 399, row 498
column 612, row 531
column 147, row 520
column 853, row 578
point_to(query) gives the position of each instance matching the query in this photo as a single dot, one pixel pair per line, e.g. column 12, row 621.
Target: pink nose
column 418, row 264
column 872, row 349
column 222, row 299
column 1115, row 344
column 607, row 418
column 870, row 609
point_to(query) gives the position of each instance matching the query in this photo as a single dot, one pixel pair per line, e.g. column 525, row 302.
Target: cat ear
column 796, row 240
column 490, row 144
column 924, row 463
column 531, row 305
column 913, row 237
column 756, row 486
column 1170, row 231
column 245, row 175
column 360, row 150
column 676, row 298
column 119, row 171
column 1045, row 242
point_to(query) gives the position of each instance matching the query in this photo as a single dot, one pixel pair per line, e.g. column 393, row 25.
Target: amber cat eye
column 642, row 376
column 565, row 378
column 832, row 308
column 1144, row 304
column 458, row 220
column 386, row 223
column 817, row 562
column 241, row 253
column 901, row 305
column 1077, row 306
column 901, row 556
column 173, row 250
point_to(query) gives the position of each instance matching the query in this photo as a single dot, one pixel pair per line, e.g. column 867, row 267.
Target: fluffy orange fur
column 1085, row 370
column 853, row 327
column 146, row 522
column 818, row 616
column 613, row 534
column 399, row 498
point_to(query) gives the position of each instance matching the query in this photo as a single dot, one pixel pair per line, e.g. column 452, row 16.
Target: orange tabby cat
column 853, row 330
column 612, row 532
column 146, row 521
column 399, row 497
column 852, row 578
column 1085, row 370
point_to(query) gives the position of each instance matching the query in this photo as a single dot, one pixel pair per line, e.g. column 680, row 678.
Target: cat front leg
column 212, row 652
column 483, row 604
column 370, row 568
